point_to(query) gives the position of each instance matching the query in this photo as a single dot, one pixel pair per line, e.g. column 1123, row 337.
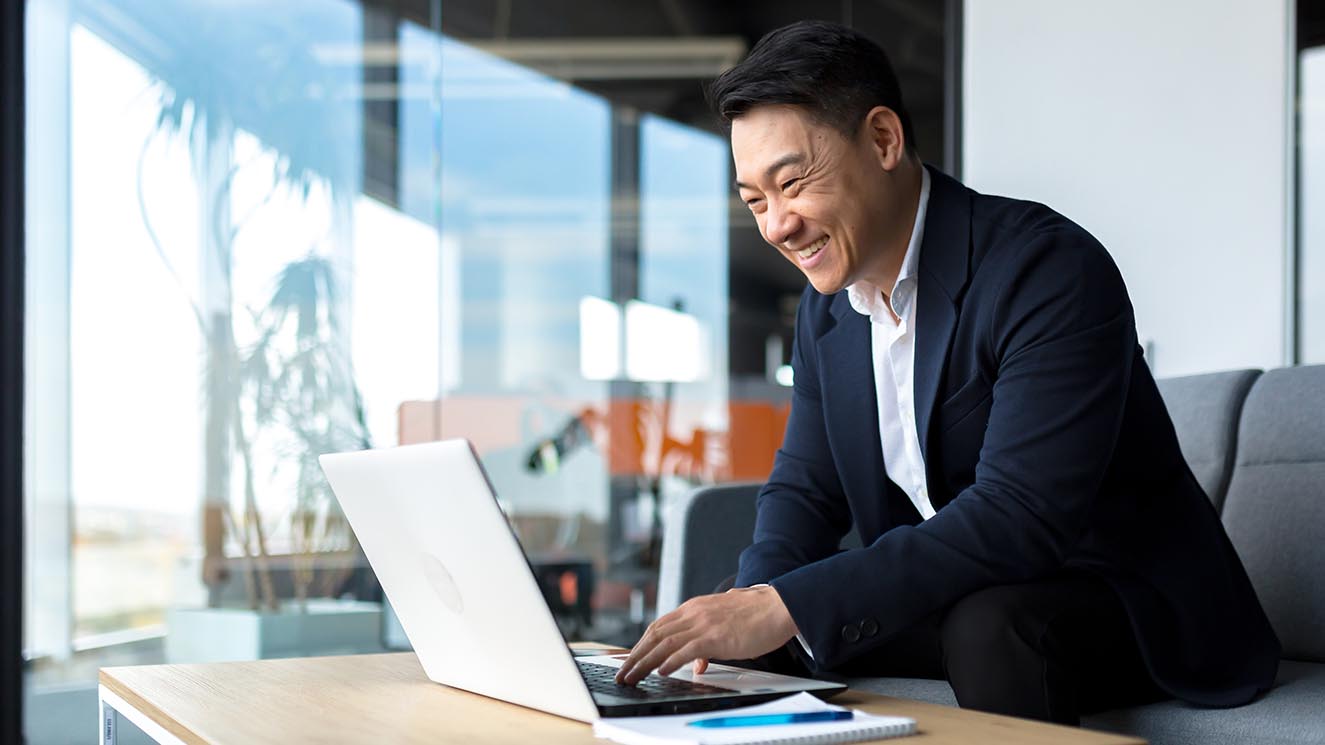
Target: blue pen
column 759, row 720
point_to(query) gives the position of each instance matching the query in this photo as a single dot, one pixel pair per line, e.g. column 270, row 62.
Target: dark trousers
column 1051, row 650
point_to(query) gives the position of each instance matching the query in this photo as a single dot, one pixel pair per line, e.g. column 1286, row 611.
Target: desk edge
column 148, row 709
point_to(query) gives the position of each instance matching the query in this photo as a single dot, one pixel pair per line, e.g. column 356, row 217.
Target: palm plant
column 258, row 73
column 300, row 381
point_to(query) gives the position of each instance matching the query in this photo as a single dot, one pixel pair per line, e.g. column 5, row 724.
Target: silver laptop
column 429, row 523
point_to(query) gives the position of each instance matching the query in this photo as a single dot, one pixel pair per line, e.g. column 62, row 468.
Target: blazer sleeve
column 801, row 511
column 1062, row 338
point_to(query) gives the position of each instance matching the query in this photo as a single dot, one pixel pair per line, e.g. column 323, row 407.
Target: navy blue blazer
column 1047, row 448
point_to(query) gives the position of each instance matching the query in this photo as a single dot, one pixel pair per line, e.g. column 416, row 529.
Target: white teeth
column 813, row 248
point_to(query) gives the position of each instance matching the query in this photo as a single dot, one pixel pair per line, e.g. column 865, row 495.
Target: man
column 970, row 395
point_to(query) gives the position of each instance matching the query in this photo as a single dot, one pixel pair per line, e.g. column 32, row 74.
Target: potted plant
column 278, row 386
column 297, row 398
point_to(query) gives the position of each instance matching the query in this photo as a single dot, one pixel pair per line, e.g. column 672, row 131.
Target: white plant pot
column 322, row 626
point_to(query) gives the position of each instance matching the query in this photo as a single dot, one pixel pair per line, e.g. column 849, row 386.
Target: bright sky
column 489, row 307
column 137, row 360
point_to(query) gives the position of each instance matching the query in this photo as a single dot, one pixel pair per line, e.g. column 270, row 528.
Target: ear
column 887, row 141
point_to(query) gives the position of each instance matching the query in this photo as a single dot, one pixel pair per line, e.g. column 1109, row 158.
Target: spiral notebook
column 676, row 730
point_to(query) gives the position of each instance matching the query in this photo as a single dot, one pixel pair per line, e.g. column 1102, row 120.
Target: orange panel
column 632, row 432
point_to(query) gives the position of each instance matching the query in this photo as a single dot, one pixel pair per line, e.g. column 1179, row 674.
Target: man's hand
column 737, row 625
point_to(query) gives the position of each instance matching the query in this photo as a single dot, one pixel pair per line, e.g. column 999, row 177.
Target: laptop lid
column 429, row 523
column 447, row 560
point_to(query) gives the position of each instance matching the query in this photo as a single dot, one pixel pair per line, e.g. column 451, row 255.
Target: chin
column 825, row 286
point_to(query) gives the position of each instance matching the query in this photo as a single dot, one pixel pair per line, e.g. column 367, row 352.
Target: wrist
column 786, row 624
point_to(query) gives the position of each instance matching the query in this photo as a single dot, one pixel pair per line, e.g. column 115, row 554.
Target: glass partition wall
column 262, row 237
column 208, row 260
column 261, row 232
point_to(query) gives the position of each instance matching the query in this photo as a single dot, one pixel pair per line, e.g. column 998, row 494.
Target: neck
column 902, row 224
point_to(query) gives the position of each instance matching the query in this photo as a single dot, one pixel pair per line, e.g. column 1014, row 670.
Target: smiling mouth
column 814, row 248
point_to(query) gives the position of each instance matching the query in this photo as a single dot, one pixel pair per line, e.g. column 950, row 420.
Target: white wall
column 1162, row 128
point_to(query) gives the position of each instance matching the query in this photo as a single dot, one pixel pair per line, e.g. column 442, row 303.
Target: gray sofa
column 1256, row 442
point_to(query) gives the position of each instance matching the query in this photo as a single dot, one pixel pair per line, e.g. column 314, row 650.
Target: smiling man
column 970, row 395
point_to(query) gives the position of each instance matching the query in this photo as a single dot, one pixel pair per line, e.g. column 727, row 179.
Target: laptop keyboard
column 602, row 679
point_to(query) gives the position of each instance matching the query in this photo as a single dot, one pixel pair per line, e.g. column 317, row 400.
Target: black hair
column 832, row 72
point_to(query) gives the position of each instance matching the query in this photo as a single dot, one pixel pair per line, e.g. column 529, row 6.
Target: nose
column 780, row 223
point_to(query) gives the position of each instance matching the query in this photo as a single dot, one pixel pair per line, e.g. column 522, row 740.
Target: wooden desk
column 387, row 698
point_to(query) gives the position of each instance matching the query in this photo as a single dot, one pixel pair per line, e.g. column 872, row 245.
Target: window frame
column 12, row 30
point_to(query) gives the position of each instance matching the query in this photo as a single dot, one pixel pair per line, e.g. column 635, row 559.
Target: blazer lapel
column 851, row 409
column 944, row 259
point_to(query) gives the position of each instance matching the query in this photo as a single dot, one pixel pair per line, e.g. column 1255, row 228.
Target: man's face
column 822, row 199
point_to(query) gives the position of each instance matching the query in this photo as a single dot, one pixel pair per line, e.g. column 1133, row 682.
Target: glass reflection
column 314, row 227
column 320, row 230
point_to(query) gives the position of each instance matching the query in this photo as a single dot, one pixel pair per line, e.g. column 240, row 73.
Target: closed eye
column 789, row 183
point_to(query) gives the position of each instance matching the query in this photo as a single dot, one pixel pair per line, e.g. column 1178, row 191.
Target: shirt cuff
column 799, row 637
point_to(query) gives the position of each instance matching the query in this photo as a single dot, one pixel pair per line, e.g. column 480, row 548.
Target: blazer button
column 869, row 627
column 850, row 633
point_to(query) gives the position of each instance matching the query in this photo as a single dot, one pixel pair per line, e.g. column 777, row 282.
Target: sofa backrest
column 1205, row 410
column 1275, row 508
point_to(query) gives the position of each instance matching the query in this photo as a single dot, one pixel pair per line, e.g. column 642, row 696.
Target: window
column 256, row 235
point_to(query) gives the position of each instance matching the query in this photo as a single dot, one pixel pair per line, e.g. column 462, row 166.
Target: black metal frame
column 954, row 22
column 11, row 369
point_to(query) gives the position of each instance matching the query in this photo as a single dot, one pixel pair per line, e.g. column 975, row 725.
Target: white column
column 212, row 157
column 48, row 507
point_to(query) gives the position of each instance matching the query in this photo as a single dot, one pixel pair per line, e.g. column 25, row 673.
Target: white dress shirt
column 892, row 346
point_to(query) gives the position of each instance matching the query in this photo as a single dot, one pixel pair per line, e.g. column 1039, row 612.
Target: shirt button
column 850, row 633
column 923, row 492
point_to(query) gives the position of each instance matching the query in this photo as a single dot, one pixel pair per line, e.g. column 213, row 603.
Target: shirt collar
column 867, row 299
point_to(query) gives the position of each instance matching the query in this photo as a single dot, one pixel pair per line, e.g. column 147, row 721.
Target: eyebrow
column 790, row 159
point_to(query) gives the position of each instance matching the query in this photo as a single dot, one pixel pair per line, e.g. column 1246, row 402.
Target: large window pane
column 261, row 232
column 685, row 181
column 217, row 299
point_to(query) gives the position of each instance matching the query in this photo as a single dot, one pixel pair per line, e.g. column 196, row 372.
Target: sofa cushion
column 1275, row 508
column 1291, row 712
column 916, row 689
column 1205, row 411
